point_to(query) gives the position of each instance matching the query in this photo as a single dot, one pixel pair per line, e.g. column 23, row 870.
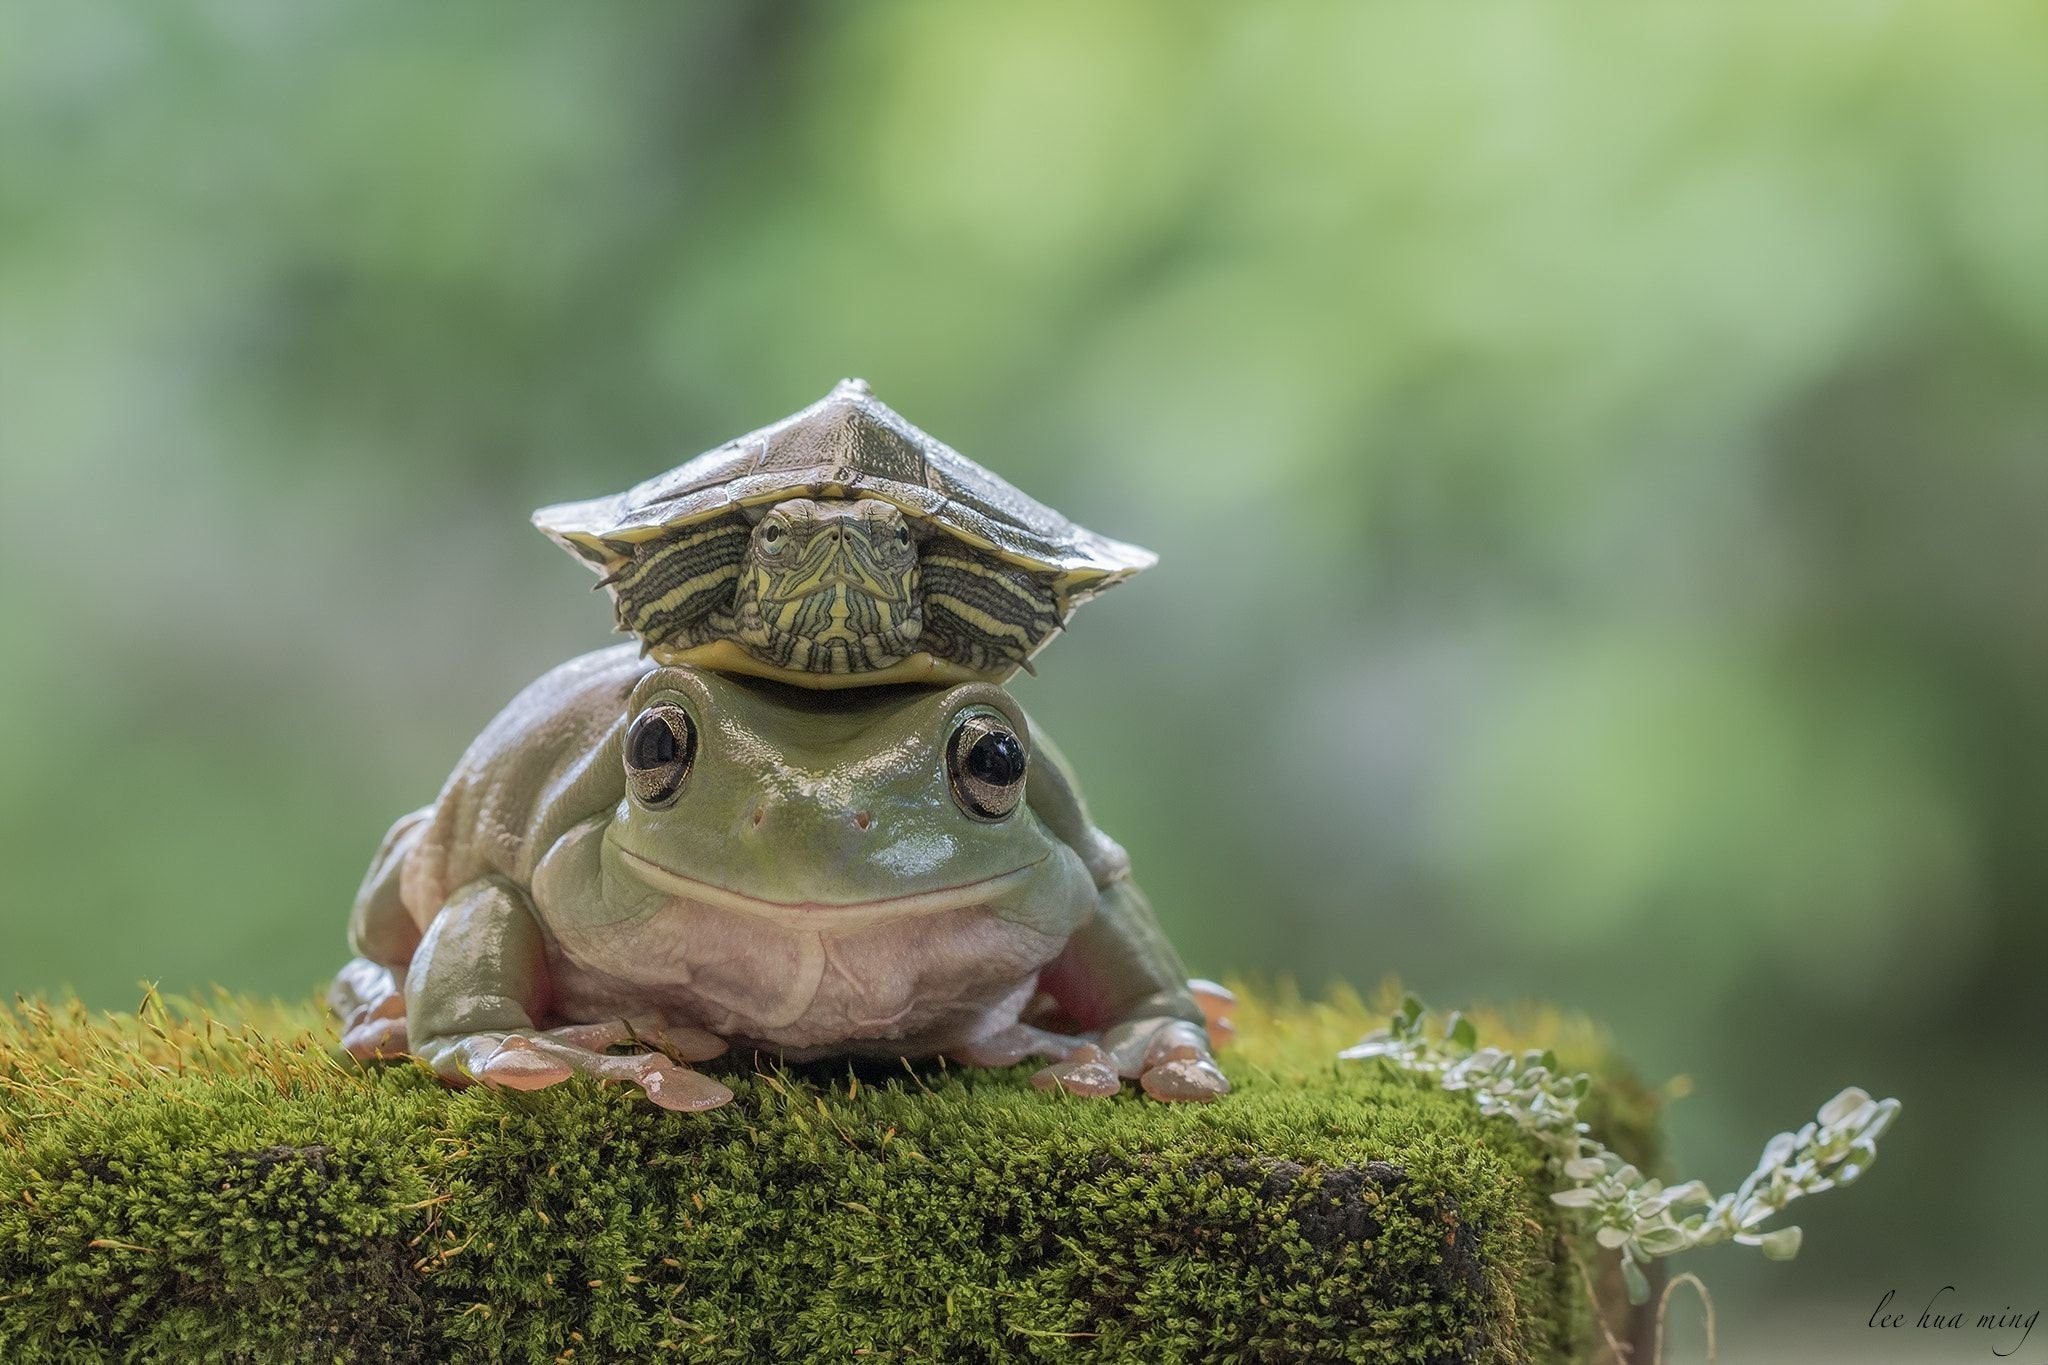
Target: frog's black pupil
column 654, row 744
column 997, row 759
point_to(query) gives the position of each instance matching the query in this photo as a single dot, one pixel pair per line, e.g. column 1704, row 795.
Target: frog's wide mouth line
column 838, row 914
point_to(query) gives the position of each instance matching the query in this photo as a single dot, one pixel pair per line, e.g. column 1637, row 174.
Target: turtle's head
column 830, row 586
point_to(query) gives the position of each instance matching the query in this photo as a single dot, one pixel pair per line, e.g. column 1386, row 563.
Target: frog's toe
column 376, row 1039
column 679, row 1087
column 684, row 1042
column 1141, row 1044
column 519, row 1065
column 1009, row 1046
column 681, row 1041
column 534, row 1061
column 459, row 1062
column 1219, row 1008
column 1169, row 1058
column 1184, row 1078
column 669, row 1084
column 361, row 987
column 1085, row 1071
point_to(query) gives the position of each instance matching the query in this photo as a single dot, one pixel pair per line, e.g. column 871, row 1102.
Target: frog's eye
column 660, row 746
column 985, row 763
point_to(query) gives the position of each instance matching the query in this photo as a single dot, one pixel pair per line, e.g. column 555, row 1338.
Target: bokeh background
column 1599, row 462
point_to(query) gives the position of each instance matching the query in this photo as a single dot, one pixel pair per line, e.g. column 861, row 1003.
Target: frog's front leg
column 478, row 986
column 1120, row 975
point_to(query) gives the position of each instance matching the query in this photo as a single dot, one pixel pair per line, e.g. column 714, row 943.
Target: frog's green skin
column 814, row 887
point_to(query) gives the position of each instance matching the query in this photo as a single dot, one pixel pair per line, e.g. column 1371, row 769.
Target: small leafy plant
column 1640, row 1217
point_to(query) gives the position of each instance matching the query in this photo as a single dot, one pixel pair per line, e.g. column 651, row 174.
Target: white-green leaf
column 1637, row 1282
column 1662, row 1240
column 1462, row 1032
column 1841, row 1108
column 1781, row 1245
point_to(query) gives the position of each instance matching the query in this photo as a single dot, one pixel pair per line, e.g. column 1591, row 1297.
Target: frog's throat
column 830, row 914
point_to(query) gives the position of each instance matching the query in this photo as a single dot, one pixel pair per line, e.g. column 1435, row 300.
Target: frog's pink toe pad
column 523, row 1068
column 1085, row 1071
column 680, row 1088
column 1185, row 1078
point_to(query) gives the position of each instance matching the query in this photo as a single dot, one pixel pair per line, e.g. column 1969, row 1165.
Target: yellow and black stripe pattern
column 678, row 588
column 981, row 612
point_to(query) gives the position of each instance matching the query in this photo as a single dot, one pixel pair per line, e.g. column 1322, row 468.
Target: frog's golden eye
column 660, row 746
column 985, row 763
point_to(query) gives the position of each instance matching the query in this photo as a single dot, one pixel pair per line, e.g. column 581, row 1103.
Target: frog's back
column 545, row 764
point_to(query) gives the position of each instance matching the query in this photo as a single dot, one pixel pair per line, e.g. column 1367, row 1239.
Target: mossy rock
column 212, row 1183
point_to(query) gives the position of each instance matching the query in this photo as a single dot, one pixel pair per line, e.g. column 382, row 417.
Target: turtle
column 839, row 547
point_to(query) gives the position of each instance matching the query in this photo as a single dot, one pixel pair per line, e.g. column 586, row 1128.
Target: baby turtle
column 840, row 547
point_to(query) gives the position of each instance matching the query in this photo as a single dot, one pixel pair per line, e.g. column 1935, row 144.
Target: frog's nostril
column 862, row 819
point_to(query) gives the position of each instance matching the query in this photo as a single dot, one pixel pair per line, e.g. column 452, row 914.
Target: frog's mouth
column 831, row 914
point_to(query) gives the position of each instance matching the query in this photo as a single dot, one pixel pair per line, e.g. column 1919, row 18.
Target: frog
column 638, row 867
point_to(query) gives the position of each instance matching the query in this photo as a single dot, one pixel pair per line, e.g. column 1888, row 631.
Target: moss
column 210, row 1183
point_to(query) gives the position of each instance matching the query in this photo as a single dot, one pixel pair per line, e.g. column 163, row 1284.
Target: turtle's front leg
column 478, row 983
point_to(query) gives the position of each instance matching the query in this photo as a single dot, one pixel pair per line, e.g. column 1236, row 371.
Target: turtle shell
column 846, row 445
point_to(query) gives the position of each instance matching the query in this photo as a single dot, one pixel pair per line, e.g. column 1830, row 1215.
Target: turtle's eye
column 660, row 746
column 902, row 537
column 772, row 536
column 985, row 763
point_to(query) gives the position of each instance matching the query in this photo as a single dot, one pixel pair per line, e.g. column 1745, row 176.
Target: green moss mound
column 212, row 1183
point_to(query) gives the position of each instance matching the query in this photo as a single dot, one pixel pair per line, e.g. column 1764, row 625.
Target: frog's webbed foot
column 377, row 1032
column 369, row 1000
column 1078, row 1067
column 1168, row 1058
column 533, row 1059
column 1007, row 1047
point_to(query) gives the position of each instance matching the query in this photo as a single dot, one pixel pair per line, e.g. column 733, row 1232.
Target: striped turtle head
column 830, row 586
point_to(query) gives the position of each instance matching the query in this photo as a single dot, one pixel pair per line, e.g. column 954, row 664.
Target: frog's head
column 835, row 807
column 830, row 586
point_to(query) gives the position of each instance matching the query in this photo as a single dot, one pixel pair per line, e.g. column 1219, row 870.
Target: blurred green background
column 1599, row 462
